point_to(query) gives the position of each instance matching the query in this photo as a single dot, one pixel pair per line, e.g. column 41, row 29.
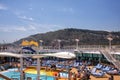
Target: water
column 13, row 74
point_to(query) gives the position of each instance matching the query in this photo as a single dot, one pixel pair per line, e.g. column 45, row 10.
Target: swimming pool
column 11, row 73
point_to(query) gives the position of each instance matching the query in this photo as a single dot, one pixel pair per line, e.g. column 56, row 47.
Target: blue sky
column 21, row 18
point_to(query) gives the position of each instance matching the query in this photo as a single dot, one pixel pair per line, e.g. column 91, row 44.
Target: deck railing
column 110, row 57
column 73, row 47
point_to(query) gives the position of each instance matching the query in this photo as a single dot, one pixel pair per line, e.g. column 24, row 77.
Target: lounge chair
column 6, row 66
column 63, row 75
column 93, row 70
column 107, row 68
column 2, row 68
column 59, row 66
column 99, row 66
column 98, row 74
column 76, row 64
column 113, row 72
column 88, row 63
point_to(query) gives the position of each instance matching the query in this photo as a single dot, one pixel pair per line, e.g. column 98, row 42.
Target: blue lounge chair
column 98, row 74
column 107, row 68
column 59, row 66
column 99, row 66
column 2, row 68
column 113, row 72
column 93, row 70
column 76, row 64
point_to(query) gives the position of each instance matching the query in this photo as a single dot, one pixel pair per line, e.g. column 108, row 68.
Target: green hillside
column 68, row 36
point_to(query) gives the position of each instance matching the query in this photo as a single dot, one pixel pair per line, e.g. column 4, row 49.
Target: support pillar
column 38, row 69
column 21, row 68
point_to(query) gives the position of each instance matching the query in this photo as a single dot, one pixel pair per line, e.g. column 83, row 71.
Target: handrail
column 110, row 58
column 4, row 77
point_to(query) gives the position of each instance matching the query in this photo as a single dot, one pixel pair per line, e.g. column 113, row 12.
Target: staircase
column 110, row 58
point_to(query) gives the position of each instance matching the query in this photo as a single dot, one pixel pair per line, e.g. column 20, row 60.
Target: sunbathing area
column 61, row 70
column 59, row 65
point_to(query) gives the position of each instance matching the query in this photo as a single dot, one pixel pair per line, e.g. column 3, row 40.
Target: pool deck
column 106, row 77
column 116, row 77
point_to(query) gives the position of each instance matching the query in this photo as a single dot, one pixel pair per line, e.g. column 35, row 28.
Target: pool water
column 13, row 74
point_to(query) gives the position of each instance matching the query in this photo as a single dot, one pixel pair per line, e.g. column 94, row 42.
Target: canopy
column 66, row 55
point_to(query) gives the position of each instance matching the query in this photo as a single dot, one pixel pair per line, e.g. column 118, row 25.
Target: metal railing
column 66, row 48
column 110, row 57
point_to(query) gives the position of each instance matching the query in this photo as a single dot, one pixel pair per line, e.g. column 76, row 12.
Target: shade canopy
column 66, row 55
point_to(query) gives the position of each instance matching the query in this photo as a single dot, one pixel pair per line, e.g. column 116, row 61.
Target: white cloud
column 21, row 28
column 26, row 18
column 13, row 28
column 45, row 27
column 32, row 27
column 20, row 15
column 6, row 28
column 3, row 7
column 25, row 30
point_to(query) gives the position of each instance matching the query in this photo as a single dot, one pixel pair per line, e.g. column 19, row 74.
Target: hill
column 68, row 36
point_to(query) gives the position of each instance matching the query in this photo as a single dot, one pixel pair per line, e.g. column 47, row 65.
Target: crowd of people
column 81, row 74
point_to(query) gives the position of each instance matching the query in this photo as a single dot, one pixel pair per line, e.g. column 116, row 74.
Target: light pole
column 109, row 37
column 59, row 41
column 21, row 67
column 41, row 41
column 38, row 62
column 77, row 40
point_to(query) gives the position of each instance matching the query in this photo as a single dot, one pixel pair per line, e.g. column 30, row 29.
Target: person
column 111, row 77
column 56, row 76
column 79, row 74
column 53, row 67
column 74, row 76
column 29, row 78
column 86, row 76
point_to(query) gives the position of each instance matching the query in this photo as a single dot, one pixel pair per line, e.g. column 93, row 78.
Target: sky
column 22, row 18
